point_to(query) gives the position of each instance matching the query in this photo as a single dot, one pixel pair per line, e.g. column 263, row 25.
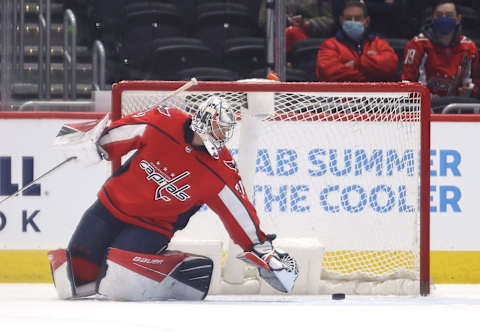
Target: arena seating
column 25, row 80
column 223, row 21
column 206, row 74
column 167, row 39
column 244, row 54
column 304, row 56
column 169, row 55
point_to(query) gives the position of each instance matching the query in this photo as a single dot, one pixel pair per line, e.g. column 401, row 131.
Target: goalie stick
column 193, row 81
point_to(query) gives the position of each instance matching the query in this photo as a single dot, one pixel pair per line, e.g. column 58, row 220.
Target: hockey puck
column 338, row 296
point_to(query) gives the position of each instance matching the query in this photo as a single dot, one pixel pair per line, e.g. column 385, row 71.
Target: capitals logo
column 165, row 183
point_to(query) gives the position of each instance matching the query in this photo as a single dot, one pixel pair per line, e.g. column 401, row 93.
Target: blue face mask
column 444, row 25
column 353, row 29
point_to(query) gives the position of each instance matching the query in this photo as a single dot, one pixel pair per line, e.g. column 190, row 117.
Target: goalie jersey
column 167, row 180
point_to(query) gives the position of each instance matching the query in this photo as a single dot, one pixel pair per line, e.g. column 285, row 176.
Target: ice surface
column 35, row 307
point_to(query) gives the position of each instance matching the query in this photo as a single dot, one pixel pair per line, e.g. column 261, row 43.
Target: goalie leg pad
column 62, row 274
column 173, row 275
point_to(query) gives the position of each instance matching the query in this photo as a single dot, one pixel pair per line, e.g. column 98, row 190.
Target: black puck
column 338, row 296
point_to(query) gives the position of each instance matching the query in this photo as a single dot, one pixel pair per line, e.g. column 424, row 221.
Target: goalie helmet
column 214, row 122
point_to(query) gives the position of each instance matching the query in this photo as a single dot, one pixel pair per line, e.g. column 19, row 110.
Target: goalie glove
column 276, row 267
column 80, row 140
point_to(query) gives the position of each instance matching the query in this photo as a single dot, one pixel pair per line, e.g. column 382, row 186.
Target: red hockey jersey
column 340, row 61
column 442, row 69
column 167, row 180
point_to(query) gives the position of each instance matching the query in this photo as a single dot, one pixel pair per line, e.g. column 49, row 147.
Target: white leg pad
column 141, row 277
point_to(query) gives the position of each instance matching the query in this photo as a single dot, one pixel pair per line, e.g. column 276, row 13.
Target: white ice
column 34, row 307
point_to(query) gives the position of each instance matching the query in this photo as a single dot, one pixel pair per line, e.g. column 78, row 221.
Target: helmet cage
column 214, row 121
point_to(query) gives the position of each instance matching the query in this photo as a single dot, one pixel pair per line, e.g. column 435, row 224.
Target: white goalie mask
column 214, row 122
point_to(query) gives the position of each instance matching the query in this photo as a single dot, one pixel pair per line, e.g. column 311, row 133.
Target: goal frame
column 398, row 87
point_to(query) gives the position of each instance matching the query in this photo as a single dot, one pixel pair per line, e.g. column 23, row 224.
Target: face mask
column 444, row 25
column 353, row 29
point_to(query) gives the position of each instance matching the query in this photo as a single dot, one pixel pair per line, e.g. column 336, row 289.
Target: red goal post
column 328, row 161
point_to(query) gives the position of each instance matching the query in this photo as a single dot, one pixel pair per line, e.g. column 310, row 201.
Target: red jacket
column 166, row 180
column 373, row 60
column 442, row 69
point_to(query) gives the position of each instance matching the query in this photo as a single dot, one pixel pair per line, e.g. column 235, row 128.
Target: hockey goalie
column 119, row 248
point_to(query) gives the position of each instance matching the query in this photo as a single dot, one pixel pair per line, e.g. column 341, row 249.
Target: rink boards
column 45, row 217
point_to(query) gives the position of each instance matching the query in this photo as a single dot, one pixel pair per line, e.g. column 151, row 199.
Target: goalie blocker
column 130, row 276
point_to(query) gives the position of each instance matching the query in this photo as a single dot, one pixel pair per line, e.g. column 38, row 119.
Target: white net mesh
column 340, row 166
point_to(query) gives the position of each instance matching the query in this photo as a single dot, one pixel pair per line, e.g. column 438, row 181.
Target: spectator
column 305, row 19
column 468, row 9
column 441, row 57
column 354, row 54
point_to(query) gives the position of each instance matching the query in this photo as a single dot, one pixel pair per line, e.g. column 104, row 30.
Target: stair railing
column 69, row 55
column 6, row 53
column 98, row 66
column 18, row 42
column 44, row 62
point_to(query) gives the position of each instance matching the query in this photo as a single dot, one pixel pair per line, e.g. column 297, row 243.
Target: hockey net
column 340, row 171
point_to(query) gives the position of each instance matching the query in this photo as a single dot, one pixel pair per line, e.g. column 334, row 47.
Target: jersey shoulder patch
column 162, row 110
column 231, row 164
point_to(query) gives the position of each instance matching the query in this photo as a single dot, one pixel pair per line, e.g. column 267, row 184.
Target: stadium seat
column 244, row 54
column 143, row 23
column 206, row 74
column 31, row 72
column 251, row 6
column 31, row 33
column 209, row 6
column 159, row 21
column 24, row 91
column 30, row 53
column 470, row 22
column 398, row 45
column 171, row 55
column 216, row 23
column 391, row 20
column 172, row 2
column 304, row 56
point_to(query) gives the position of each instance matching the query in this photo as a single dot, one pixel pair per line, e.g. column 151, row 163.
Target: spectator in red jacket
column 354, row 54
column 441, row 57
